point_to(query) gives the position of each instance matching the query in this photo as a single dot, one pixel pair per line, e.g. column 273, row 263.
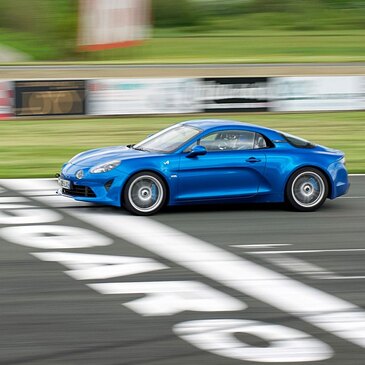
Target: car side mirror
column 197, row 151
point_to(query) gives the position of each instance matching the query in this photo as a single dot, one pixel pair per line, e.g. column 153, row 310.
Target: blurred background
column 82, row 74
column 253, row 60
column 198, row 31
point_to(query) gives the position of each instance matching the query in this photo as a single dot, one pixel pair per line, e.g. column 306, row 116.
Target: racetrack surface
column 85, row 284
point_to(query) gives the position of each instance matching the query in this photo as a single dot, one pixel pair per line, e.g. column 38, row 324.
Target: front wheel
column 307, row 189
column 144, row 194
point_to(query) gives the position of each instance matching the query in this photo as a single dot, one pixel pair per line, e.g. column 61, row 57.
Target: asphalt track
column 180, row 70
column 298, row 277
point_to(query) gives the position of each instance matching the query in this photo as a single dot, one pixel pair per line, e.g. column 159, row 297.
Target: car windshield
column 168, row 140
column 297, row 141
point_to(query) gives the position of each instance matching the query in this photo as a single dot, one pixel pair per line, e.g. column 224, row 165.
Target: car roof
column 206, row 124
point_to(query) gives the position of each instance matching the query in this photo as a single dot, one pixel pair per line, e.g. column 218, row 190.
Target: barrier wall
column 50, row 97
column 100, row 97
column 317, row 93
column 6, row 99
column 142, row 96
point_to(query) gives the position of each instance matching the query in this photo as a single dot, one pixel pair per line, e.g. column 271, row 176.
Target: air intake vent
column 78, row 190
column 108, row 184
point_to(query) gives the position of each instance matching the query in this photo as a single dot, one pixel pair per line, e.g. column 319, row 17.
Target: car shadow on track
column 244, row 207
column 186, row 209
column 204, row 208
column 211, row 208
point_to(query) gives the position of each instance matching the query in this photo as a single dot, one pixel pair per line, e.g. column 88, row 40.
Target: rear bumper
column 340, row 179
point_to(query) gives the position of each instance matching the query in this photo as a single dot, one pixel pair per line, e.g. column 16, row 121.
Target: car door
column 232, row 167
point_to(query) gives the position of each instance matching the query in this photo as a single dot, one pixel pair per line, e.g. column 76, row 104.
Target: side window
column 297, row 142
column 260, row 141
column 230, row 140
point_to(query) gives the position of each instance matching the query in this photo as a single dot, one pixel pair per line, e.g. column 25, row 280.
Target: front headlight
column 343, row 160
column 105, row 167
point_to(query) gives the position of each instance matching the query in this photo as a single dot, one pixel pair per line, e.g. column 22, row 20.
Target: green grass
column 36, row 48
column 222, row 46
column 257, row 47
column 37, row 148
column 242, row 31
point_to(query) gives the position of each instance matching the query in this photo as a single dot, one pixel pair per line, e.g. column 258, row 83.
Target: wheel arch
column 323, row 171
column 158, row 173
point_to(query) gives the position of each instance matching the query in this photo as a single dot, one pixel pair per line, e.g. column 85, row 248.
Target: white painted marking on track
column 59, row 201
column 262, row 245
column 17, row 206
column 218, row 336
column 306, row 268
column 50, row 237
column 46, row 192
column 29, row 184
column 30, row 215
column 12, row 199
column 351, row 197
column 165, row 298
column 338, row 277
column 94, row 267
column 310, row 251
column 296, row 265
column 321, row 309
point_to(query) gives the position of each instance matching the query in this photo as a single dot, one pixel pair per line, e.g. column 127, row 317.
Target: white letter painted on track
column 166, row 298
column 285, row 344
column 92, row 267
column 12, row 199
column 317, row 307
column 54, row 237
column 15, row 214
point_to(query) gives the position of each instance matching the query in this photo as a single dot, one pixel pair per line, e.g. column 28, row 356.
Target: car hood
column 102, row 155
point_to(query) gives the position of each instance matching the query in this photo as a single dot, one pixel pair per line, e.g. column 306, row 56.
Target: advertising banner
column 6, row 99
column 317, row 93
column 142, row 96
column 234, row 94
column 105, row 24
column 50, row 97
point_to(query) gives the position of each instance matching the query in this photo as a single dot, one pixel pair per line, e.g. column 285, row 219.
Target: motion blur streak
column 323, row 310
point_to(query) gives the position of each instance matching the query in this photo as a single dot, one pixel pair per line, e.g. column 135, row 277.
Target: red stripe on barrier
column 101, row 47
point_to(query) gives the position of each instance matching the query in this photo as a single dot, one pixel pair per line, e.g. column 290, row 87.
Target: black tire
column 145, row 193
column 306, row 190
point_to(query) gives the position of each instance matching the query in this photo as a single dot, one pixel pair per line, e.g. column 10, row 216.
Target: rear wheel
column 144, row 194
column 307, row 189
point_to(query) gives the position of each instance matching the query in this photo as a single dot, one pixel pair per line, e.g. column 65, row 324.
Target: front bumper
column 103, row 188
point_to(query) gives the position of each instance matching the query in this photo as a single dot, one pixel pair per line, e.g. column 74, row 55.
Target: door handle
column 253, row 160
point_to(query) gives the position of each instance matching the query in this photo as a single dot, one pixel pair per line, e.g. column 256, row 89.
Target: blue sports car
column 203, row 161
